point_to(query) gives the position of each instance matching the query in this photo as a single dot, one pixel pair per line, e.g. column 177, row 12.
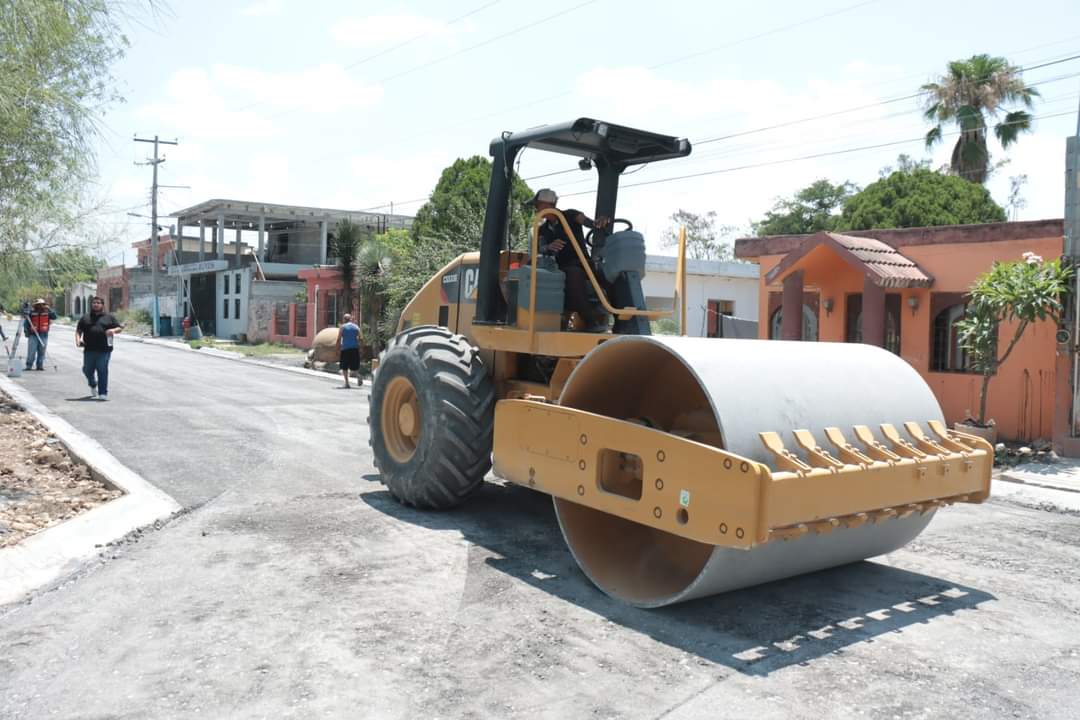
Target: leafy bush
column 133, row 316
column 919, row 198
column 665, row 326
column 1022, row 292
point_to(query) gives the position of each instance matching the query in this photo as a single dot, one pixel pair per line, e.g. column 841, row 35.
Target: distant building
column 243, row 262
column 714, row 290
column 77, row 298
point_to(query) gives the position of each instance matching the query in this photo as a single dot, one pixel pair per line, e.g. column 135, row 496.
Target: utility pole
column 153, row 225
column 1072, row 255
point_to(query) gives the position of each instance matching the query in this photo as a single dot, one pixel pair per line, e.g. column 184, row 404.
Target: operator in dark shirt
column 553, row 241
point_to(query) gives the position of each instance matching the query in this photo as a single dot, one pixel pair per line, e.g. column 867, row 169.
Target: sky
column 357, row 105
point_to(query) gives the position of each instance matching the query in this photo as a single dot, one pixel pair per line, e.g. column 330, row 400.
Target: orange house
column 298, row 323
column 905, row 290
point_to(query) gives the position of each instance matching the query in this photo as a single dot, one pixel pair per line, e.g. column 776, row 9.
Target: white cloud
column 377, row 31
column 229, row 102
column 195, row 107
column 325, row 88
column 1042, row 159
column 263, row 8
column 379, row 178
column 872, row 71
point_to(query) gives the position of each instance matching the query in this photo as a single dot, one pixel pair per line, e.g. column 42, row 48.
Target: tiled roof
column 883, row 264
column 893, row 269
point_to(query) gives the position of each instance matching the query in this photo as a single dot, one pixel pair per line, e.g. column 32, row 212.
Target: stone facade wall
column 265, row 294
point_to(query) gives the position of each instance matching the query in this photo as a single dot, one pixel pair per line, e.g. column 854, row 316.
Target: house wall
column 265, row 296
column 188, row 252
column 139, row 295
column 77, row 298
column 736, row 282
column 1021, row 395
column 303, row 246
column 232, row 321
column 110, row 279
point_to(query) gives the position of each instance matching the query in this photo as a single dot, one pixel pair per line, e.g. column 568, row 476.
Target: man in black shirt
column 554, row 241
column 94, row 334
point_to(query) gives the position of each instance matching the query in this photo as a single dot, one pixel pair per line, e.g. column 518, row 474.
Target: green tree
column 372, row 263
column 27, row 275
column 704, row 240
column 66, row 266
column 812, row 209
column 970, row 94
column 450, row 223
column 919, row 198
column 415, row 258
column 459, row 201
column 904, row 163
column 1021, row 292
column 55, row 79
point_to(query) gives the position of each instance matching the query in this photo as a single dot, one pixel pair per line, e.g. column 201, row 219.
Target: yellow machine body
column 681, row 466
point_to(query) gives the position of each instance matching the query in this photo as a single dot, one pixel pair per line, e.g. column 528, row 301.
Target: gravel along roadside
column 40, row 483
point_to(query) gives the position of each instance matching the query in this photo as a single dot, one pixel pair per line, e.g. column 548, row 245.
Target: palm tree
column 969, row 94
column 372, row 262
column 345, row 244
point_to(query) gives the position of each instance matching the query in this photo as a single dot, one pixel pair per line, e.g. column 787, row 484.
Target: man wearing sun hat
column 36, row 326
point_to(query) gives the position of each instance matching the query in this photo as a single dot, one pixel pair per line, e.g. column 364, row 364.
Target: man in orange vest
column 36, row 326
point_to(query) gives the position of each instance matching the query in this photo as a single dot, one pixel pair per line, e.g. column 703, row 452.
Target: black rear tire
column 444, row 452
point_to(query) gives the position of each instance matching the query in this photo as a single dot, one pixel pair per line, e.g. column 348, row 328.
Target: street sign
column 199, row 267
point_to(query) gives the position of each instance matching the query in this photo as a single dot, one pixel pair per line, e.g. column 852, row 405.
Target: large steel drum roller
column 724, row 393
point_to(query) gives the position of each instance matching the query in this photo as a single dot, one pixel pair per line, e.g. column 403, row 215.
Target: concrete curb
column 1063, row 477
column 55, row 553
column 226, row 355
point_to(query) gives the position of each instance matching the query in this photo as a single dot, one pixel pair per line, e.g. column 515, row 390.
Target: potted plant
column 1020, row 292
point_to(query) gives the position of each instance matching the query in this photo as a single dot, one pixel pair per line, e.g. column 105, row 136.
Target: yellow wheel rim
column 401, row 424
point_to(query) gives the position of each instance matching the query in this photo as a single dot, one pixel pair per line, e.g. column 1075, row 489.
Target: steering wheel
column 589, row 237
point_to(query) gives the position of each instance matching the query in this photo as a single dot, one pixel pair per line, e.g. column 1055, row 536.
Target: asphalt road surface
column 294, row 586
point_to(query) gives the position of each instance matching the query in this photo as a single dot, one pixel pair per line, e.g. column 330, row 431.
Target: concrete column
column 202, row 240
column 219, row 237
column 873, row 314
column 262, row 238
column 178, row 243
column 791, row 321
column 322, row 242
column 236, row 261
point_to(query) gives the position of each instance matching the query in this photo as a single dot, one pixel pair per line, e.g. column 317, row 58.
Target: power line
column 1038, row 65
column 729, row 44
column 814, row 156
column 730, row 151
column 758, row 130
column 387, row 51
column 423, row 66
column 767, row 33
column 753, row 131
column 421, row 36
column 521, row 28
column 857, row 108
column 750, row 166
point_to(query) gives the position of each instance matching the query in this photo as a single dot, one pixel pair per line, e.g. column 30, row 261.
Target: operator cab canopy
column 610, row 144
column 608, row 147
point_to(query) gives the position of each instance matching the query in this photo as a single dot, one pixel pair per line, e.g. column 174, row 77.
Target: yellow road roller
column 679, row 467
